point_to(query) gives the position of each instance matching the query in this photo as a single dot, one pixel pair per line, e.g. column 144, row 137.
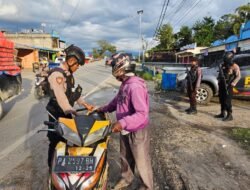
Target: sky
column 84, row 22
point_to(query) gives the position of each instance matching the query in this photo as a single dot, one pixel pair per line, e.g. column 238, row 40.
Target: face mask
column 113, row 62
column 119, row 78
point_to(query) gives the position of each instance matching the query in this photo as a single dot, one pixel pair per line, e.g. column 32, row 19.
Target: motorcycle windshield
column 85, row 128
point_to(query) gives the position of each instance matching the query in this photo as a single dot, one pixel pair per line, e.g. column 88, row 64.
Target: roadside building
column 160, row 56
column 34, row 45
column 237, row 44
column 188, row 52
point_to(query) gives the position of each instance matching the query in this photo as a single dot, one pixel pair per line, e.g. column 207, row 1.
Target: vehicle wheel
column 39, row 93
column 1, row 109
column 19, row 80
column 51, row 186
column 204, row 94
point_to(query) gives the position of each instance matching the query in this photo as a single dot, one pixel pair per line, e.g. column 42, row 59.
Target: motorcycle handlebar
column 81, row 109
column 49, row 123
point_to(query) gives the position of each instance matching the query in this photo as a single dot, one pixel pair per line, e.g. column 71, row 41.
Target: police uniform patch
column 59, row 80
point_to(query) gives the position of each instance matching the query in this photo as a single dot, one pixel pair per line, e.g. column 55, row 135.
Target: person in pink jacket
column 132, row 112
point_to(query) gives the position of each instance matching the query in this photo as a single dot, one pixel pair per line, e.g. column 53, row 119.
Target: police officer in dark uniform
column 193, row 83
column 229, row 75
column 63, row 95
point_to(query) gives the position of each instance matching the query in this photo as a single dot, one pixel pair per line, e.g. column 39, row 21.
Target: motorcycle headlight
column 70, row 135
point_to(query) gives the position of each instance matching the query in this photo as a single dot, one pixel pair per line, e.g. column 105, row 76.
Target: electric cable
column 187, row 12
column 161, row 18
column 73, row 12
column 158, row 24
column 173, row 13
column 209, row 4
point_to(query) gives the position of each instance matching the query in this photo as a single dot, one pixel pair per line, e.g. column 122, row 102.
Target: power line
column 73, row 12
column 173, row 13
column 164, row 14
column 161, row 18
column 187, row 12
column 200, row 12
column 186, row 8
column 164, row 3
column 61, row 8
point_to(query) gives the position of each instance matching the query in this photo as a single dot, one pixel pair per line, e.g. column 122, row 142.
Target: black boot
column 192, row 111
column 229, row 117
column 221, row 115
column 187, row 110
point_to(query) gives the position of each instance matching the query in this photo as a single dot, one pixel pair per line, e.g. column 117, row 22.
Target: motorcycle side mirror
column 59, row 129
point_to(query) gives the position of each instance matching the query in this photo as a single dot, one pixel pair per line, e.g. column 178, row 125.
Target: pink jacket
column 131, row 104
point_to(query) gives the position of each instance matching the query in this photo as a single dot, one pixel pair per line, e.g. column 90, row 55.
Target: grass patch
column 147, row 76
column 242, row 136
column 139, row 73
column 144, row 75
column 158, row 77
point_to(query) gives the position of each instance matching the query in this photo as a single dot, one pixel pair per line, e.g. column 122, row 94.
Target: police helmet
column 77, row 52
column 228, row 58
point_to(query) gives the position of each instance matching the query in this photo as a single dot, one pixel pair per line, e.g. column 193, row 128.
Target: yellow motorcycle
column 80, row 163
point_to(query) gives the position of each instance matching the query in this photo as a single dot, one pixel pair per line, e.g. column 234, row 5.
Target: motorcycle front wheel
column 50, row 185
column 1, row 109
column 39, row 92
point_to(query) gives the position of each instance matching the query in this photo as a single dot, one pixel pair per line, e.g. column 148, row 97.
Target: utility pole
column 144, row 48
column 140, row 12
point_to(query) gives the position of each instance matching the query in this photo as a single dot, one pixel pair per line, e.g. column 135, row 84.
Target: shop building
column 32, row 46
column 237, row 44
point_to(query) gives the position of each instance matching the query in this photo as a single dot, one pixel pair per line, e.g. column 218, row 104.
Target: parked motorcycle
column 41, row 86
column 80, row 163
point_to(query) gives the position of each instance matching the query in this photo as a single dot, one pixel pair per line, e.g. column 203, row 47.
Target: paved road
column 24, row 115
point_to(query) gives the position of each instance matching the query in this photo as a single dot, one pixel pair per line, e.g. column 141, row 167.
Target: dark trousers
column 192, row 97
column 53, row 140
column 134, row 149
column 57, row 112
column 225, row 98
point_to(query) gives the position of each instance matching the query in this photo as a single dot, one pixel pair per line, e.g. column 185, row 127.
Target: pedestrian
column 132, row 112
column 193, row 83
column 62, row 96
column 43, row 68
column 229, row 76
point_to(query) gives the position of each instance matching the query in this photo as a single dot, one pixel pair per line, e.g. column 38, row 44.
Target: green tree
column 224, row 27
column 241, row 16
column 105, row 46
column 96, row 54
column 165, row 37
column 204, row 31
column 183, row 37
column 243, row 12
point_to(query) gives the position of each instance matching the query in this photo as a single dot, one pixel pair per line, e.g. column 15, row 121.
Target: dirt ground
column 195, row 151
column 189, row 152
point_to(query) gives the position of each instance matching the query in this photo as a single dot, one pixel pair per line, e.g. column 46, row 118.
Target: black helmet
column 121, row 65
column 77, row 52
column 228, row 58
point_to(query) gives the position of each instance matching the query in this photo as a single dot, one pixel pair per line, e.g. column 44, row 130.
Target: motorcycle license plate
column 78, row 164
